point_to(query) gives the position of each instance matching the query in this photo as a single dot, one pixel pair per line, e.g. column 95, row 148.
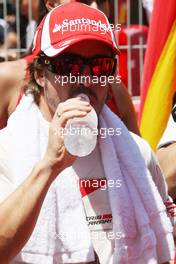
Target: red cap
column 37, row 38
column 71, row 23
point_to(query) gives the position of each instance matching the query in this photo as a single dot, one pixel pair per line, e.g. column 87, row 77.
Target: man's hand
column 56, row 154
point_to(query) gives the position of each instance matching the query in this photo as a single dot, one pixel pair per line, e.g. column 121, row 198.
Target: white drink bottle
column 80, row 135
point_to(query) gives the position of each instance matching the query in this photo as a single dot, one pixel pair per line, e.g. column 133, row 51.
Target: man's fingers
column 72, row 104
column 74, row 107
column 60, row 119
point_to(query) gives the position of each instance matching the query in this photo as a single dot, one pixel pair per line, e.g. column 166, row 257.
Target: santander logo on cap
column 57, row 28
column 83, row 21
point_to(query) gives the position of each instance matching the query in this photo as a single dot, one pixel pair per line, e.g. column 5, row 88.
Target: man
column 46, row 212
column 11, row 87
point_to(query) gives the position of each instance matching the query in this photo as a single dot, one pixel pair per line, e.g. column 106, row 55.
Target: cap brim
column 63, row 45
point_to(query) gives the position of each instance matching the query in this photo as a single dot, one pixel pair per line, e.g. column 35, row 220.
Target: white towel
column 150, row 219
column 61, row 234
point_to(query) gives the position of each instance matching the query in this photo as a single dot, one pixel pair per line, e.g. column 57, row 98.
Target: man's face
column 56, row 91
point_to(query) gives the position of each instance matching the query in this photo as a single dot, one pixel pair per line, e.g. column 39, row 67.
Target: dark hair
column 33, row 87
column 99, row 2
column 42, row 10
column 87, row 2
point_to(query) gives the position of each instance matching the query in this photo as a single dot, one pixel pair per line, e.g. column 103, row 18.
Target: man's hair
column 101, row 1
column 87, row 2
column 33, row 87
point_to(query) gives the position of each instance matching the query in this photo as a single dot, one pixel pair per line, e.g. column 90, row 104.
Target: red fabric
column 87, row 186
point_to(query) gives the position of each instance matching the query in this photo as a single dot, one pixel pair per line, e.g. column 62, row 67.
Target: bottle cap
column 84, row 97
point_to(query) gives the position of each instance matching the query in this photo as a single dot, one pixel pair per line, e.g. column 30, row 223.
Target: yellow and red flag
column 159, row 78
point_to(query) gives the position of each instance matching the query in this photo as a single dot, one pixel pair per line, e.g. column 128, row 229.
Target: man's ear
column 39, row 76
column 50, row 4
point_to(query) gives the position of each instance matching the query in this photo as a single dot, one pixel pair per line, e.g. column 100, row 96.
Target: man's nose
column 86, row 77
